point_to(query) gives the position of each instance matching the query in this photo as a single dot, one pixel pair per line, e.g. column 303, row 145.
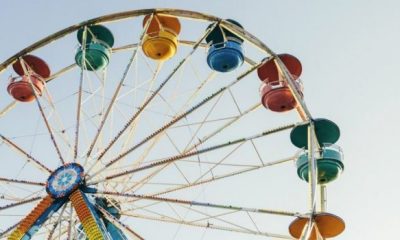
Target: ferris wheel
column 131, row 124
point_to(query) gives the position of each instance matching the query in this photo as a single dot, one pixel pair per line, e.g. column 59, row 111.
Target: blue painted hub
column 225, row 57
column 64, row 180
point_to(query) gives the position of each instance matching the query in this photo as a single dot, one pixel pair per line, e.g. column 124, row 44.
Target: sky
column 349, row 52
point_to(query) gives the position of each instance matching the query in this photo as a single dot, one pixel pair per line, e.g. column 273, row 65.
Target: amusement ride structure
column 138, row 114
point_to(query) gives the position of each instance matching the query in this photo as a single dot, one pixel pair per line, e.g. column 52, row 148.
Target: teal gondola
column 329, row 164
column 99, row 41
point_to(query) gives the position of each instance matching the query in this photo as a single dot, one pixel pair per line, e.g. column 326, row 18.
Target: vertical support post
column 323, row 192
column 312, row 170
column 312, row 180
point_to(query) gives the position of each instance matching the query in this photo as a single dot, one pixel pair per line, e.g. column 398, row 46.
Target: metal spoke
column 191, row 98
column 193, row 135
column 176, row 119
column 61, row 232
column 219, row 162
column 205, row 119
column 168, row 124
column 28, row 73
column 219, row 177
column 135, row 123
column 117, row 90
column 27, row 155
column 181, row 63
column 11, row 205
column 240, row 112
column 143, row 182
column 208, row 225
column 56, row 223
column 241, row 76
column 8, row 108
column 203, row 122
column 60, row 72
column 217, row 217
column 196, row 152
column 8, row 180
column 214, row 216
column 14, row 198
column 79, row 104
column 252, row 220
column 201, row 204
column 115, row 221
column 61, row 133
column 226, row 125
column 203, row 140
column 159, row 131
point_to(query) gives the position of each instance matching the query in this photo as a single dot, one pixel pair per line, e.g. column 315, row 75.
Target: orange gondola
column 328, row 226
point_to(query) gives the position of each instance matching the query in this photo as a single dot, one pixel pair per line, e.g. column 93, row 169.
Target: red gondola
column 277, row 96
column 275, row 92
column 268, row 72
column 35, row 70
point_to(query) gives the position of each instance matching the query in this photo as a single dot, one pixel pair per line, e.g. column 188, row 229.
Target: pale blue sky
column 349, row 51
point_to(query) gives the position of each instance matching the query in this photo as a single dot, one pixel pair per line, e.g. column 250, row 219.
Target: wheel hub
column 64, row 180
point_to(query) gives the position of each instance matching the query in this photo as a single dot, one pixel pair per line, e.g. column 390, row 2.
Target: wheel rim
column 105, row 158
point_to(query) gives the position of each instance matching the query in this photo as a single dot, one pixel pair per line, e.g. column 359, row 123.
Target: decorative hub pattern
column 64, row 180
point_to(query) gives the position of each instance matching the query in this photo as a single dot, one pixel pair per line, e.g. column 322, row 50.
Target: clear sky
column 349, row 51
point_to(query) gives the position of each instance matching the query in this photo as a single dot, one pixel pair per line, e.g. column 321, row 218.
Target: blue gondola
column 225, row 53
